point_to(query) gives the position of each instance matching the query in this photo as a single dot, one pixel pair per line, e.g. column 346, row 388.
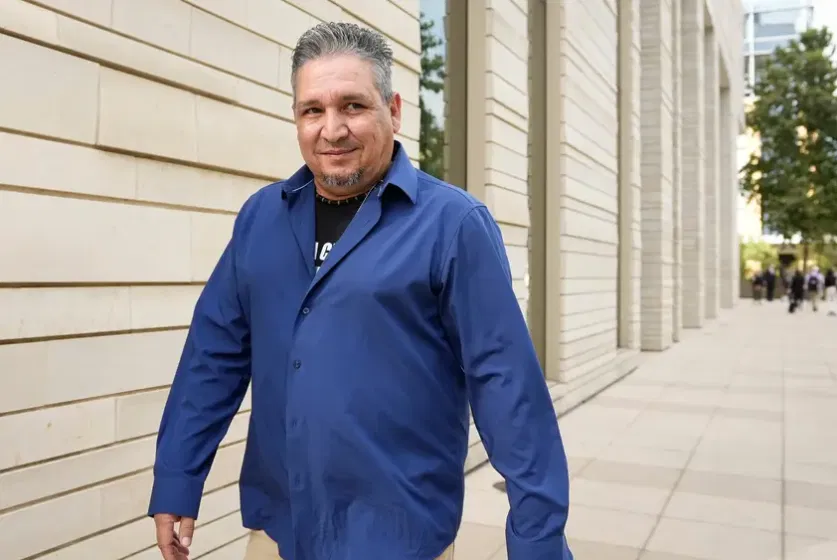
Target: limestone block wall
column 729, row 276
column 506, row 141
column 657, row 164
column 127, row 147
column 588, row 219
column 712, row 179
column 677, row 169
column 693, row 174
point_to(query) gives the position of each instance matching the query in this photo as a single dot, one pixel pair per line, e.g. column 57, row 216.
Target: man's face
column 344, row 128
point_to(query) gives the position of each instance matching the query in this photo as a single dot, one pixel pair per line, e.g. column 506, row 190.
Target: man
column 814, row 282
column 830, row 283
column 797, row 290
column 368, row 304
column 770, row 282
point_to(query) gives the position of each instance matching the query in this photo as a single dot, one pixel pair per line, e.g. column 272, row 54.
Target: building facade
column 769, row 24
column 601, row 134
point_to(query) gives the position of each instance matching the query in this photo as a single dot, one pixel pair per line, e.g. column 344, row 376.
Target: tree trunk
column 805, row 256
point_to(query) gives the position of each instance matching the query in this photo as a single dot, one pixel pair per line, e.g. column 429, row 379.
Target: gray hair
column 333, row 38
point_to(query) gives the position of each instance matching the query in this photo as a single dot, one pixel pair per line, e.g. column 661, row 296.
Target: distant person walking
column 814, row 283
column 797, row 290
column 769, row 279
column 830, row 283
column 758, row 286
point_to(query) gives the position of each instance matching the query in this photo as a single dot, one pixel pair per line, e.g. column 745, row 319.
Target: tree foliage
column 432, row 79
column 793, row 174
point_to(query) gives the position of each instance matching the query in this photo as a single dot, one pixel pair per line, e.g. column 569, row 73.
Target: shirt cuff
column 550, row 548
column 176, row 496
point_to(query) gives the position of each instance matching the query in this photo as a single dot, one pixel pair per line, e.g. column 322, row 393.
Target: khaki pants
column 262, row 547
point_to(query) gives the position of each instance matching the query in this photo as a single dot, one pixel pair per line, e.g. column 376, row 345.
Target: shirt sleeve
column 512, row 408
column 209, row 385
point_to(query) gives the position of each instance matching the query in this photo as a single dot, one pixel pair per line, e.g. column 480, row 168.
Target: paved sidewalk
column 722, row 448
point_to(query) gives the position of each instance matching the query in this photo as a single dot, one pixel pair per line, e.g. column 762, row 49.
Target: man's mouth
column 337, row 152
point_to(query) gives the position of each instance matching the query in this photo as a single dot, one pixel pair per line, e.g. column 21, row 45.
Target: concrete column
column 630, row 257
column 712, row 179
column 677, row 170
column 729, row 202
column 656, row 172
column 694, row 274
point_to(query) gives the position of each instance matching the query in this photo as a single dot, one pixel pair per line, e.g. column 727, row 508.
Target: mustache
column 337, row 147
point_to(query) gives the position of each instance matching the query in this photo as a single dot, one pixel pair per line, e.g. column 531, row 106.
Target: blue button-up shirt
column 362, row 374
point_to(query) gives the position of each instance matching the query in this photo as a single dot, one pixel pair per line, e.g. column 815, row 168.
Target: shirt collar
column 401, row 175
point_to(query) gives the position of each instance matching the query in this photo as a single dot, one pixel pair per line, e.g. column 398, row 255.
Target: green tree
column 793, row 174
column 432, row 79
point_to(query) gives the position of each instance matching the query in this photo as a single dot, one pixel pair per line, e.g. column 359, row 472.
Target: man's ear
column 395, row 112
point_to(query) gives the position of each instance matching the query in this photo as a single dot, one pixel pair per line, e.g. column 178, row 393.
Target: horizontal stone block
column 95, row 11
column 224, row 45
column 514, row 39
column 52, row 432
column 570, row 244
column 513, row 97
column 88, row 171
column 170, row 30
column 40, row 481
column 96, row 509
column 139, row 115
column 30, row 100
column 146, row 117
column 502, row 112
column 507, row 206
column 508, row 160
column 508, row 135
column 602, row 337
column 133, row 243
column 579, row 265
column 514, row 235
column 49, row 312
column 231, row 551
column 126, row 539
column 585, row 303
column 579, row 224
column 505, row 181
column 64, row 370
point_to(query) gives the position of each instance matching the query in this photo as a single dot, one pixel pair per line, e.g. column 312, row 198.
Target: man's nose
column 334, row 127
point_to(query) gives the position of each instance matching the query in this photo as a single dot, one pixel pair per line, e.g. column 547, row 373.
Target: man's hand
column 173, row 546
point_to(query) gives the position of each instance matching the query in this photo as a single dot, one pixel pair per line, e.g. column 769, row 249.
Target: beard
column 343, row 181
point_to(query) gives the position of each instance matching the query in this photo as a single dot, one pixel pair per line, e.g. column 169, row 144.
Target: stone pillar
column 712, row 179
column 630, row 256
column 656, row 174
column 677, row 170
column 694, row 274
column 729, row 202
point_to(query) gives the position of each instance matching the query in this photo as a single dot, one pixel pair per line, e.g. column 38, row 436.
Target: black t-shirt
column 332, row 218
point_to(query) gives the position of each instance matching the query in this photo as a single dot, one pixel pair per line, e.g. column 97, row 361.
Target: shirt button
column 294, row 423
column 297, row 364
column 305, row 311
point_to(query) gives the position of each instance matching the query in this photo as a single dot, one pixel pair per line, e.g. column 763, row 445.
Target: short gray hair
column 334, row 38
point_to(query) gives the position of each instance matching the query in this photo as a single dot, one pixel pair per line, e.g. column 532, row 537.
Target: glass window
column 767, row 46
column 432, row 88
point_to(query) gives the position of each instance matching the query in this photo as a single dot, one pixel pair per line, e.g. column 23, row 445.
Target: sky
column 825, row 14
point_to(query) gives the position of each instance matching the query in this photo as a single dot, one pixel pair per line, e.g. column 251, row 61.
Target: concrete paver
column 724, row 447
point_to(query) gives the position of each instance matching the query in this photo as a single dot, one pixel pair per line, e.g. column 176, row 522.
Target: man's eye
column 354, row 106
column 311, row 111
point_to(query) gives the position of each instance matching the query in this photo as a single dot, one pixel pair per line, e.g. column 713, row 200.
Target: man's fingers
column 165, row 529
column 187, row 529
column 172, row 552
column 167, row 540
